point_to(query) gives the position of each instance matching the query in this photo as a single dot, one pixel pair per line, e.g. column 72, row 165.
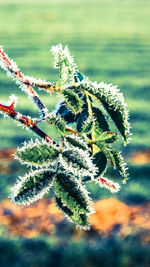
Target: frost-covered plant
column 85, row 148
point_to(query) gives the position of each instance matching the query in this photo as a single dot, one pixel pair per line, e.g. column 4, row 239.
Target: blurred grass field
column 110, row 41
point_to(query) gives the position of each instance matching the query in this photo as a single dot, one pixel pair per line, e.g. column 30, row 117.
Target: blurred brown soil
column 6, row 158
column 29, row 221
column 7, row 153
column 140, row 157
column 43, row 217
column 113, row 214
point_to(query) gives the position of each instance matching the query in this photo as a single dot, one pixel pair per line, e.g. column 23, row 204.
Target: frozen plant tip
column 108, row 184
column 85, row 148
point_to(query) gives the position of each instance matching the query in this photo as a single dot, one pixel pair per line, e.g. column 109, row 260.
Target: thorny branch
column 26, row 121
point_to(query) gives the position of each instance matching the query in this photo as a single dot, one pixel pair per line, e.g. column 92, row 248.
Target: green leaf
column 78, row 161
column 71, row 192
column 79, row 219
column 120, row 164
column 101, row 124
column 63, row 72
column 63, row 111
column 87, row 127
column 106, row 149
column 72, row 100
column 58, row 122
column 76, row 141
column 33, row 186
column 101, row 128
column 37, row 153
column 115, row 158
column 120, row 117
column 108, row 137
column 100, row 162
column 73, row 196
column 65, row 63
column 83, row 116
column 113, row 102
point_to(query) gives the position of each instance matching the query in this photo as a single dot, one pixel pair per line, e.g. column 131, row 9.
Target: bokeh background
column 110, row 40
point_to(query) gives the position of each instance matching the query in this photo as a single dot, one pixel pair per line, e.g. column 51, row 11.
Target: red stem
column 25, row 121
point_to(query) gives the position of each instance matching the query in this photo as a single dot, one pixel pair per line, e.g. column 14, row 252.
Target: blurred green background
column 110, row 41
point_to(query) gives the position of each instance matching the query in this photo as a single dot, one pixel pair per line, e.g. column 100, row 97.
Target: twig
column 24, row 81
column 26, row 121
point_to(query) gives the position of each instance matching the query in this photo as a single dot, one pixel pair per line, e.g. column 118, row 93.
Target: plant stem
column 27, row 121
